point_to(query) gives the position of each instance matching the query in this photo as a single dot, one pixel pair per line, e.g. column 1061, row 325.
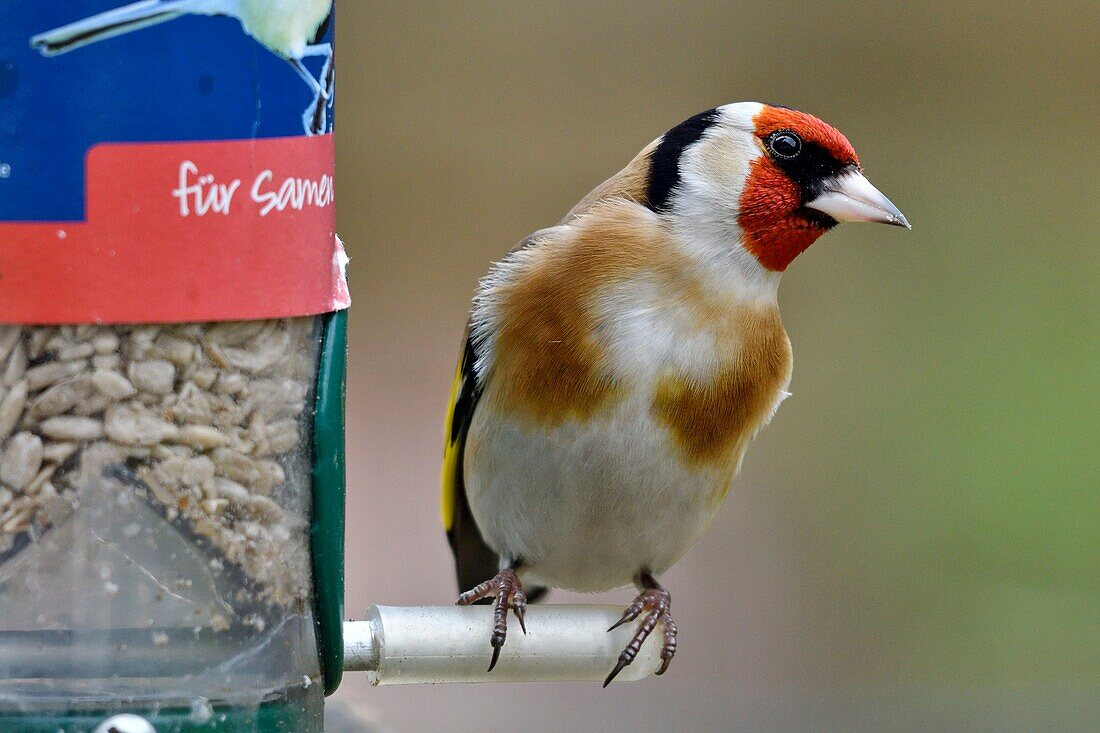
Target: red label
column 207, row 231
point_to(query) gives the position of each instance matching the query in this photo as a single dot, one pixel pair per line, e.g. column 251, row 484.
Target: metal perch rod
column 402, row 645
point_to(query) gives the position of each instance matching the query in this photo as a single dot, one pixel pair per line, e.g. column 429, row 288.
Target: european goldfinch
column 618, row 364
column 290, row 29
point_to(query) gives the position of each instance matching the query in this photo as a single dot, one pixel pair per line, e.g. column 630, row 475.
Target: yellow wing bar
column 451, row 448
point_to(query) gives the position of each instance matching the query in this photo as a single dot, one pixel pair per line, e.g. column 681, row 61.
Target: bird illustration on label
column 290, row 29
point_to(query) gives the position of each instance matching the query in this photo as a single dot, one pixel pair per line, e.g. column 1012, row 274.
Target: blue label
column 173, row 76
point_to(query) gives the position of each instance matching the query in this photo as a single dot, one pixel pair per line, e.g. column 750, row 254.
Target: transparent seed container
column 157, row 524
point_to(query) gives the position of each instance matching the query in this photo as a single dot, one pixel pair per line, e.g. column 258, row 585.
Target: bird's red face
column 806, row 180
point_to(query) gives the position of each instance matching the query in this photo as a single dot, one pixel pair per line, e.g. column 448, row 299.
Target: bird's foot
column 506, row 589
column 315, row 116
column 656, row 603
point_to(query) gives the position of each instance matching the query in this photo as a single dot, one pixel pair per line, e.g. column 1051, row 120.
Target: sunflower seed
column 44, row 375
column 59, row 398
column 72, row 428
column 9, row 336
column 155, row 375
column 16, row 366
column 21, row 461
column 11, row 408
column 112, row 384
column 105, row 342
column 201, row 436
column 132, row 425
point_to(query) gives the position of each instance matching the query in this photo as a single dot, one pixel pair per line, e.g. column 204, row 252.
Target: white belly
column 587, row 506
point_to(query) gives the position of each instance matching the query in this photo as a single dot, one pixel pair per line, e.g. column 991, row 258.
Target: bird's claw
column 657, row 604
column 668, row 648
column 630, row 613
column 519, row 607
column 497, row 644
column 508, row 592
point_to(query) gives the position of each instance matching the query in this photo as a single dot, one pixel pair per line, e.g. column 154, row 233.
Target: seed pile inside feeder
column 209, row 417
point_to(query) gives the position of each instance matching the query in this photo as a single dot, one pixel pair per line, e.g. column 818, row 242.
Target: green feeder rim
column 327, row 524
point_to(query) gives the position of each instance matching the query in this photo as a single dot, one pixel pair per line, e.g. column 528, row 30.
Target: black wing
column 475, row 562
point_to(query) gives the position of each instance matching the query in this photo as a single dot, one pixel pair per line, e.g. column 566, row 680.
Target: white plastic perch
column 402, row 645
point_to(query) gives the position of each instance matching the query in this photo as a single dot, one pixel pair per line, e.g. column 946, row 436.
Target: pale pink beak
column 851, row 197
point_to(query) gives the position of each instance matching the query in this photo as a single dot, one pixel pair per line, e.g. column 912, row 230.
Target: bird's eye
column 785, row 145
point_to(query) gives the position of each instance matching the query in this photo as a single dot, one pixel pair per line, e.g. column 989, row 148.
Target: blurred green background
column 913, row 544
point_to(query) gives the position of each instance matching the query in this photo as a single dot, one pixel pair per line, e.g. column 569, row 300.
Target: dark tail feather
column 475, row 562
column 106, row 25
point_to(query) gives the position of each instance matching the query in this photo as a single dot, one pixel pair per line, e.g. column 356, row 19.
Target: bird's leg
column 325, row 79
column 656, row 602
column 314, row 118
column 307, row 77
column 328, row 73
column 317, row 49
column 322, row 101
column 506, row 589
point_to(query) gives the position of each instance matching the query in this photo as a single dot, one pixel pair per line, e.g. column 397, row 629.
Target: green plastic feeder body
column 327, row 525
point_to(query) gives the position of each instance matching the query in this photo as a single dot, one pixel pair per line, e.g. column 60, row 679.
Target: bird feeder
column 172, row 344
column 171, row 369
